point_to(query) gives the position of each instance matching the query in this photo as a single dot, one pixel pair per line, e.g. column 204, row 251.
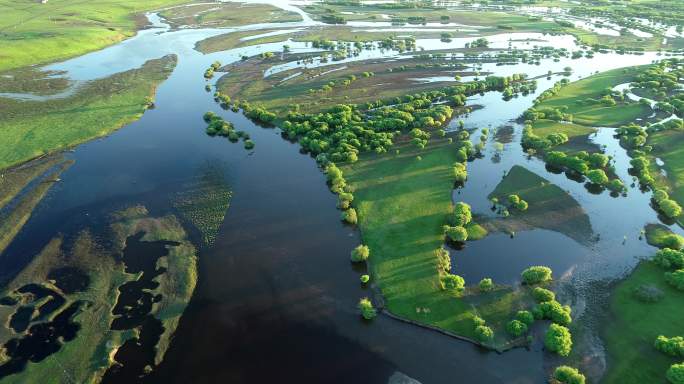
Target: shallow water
column 276, row 293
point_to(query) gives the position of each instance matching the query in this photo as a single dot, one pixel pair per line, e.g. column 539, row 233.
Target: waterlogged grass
column 402, row 203
column 34, row 128
column 34, row 33
column 633, row 326
column 13, row 181
column 13, row 220
column 574, row 96
column 549, row 206
column 204, row 203
column 239, row 39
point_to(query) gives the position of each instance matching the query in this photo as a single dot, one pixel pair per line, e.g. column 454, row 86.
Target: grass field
column 574, row 97
column 202, row 14
column 97, row 109
column 550, row 207
column 34, row 33
column 578, row 135
column 402, row 203
column 633, row 326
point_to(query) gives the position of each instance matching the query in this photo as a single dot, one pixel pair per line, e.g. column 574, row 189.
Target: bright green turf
column 633, row 326
column 35, row 33
column 574, row 94
column 402, row 203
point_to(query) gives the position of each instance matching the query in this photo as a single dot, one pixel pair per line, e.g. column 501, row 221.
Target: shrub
column 477, row 321
column 486, row 285
column 249, row 144
column 669, row 258
column 457, row 234
column 453, row 282
column 675, row 279
column 366, row 308
column 536, row 274
column 360, row 253
column 525, row 317
column 484, row 333
column 542, row 294
column 522, row 205
column 443, row 259
column 460, row 172
column 568, row 375
column 349, row 216
column 675, row 374
column 344, row 200
column 616, row 185
column 516, row 328
column 597, row 176
column 513, row 199
column 673, row 346
column 558, row 339
column 364, row 279
column 670, row 208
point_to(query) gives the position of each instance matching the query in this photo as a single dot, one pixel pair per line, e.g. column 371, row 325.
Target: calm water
column 276, row 294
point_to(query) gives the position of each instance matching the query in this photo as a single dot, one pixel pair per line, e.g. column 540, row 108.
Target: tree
column 553, row 311
column 525, row 317
column 675, row 374
column 484, row 333
column 558, row 339
column 597, row 176
column 598, row 160
column 364, row 279
column 673, row 346
column 522, row 205
column 669, row 258
column 486, row 285
column 349, row 216
column 536, row 274
column 513, row 199
column 462, row 214
column 453, row 282
column 457, row 234
column 516, row 328
column 366, row 308
column 670, row 208
column 460, row 172
column 675, row 279
column 568, row 375
column 360, row 253
column 542, row 294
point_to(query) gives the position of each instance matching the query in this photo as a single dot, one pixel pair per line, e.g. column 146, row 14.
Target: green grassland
column 633, row 326
column 578, row 135
column 574, row 97
column 550, row 207
column 34, row 33
column 202, row 14
column 402, row 203
column 97, row 109
column 237, row 39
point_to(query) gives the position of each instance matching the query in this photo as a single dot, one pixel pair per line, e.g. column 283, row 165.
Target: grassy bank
column 402, row 203
column 550, row 207
column 202, row 14
column 634, row 325
column 34, row 128
column 34, row 33
column 668, row 145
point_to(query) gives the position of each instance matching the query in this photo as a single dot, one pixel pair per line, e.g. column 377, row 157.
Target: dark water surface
column 276, row 295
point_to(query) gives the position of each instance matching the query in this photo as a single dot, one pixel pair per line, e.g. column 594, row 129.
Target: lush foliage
column 568, row 375
column 536, row 274
column 558, row 339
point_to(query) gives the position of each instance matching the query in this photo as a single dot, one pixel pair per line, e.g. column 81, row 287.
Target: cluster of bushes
column 554, row 311
column 216, row 126
column 483, row 333
column 531, row 141
column 209, row 73
column 557, row 86
column 662, row 80
column 514, row 201
column 257, row 113
column 666, row 205
column 366, row 308
column 400, row 45
column 555, row 114
column 462, row 216
column 590, row 165
column 333, row 19
column 338, row 185
column 672, row 346
column 520, row 324
column 343, row 82
column 478, row 43
column 673, row 262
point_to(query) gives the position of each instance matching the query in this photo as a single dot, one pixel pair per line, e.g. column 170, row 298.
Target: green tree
column 670, row 208
column 457, row 234
column 484, row 333
column 486, row 285
column 349, row 216
column 558, row 339
column 453, row 282
column 542, row 294
column 669, row 258
column 360, row 253
column 516, row 328
column 675, row 279
column 366, row 308
column 672, row 346
column 675, row 374
column 462, row 214
column 568, row 375
column 597, row 176
column 525, row 317
column 536, row 274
